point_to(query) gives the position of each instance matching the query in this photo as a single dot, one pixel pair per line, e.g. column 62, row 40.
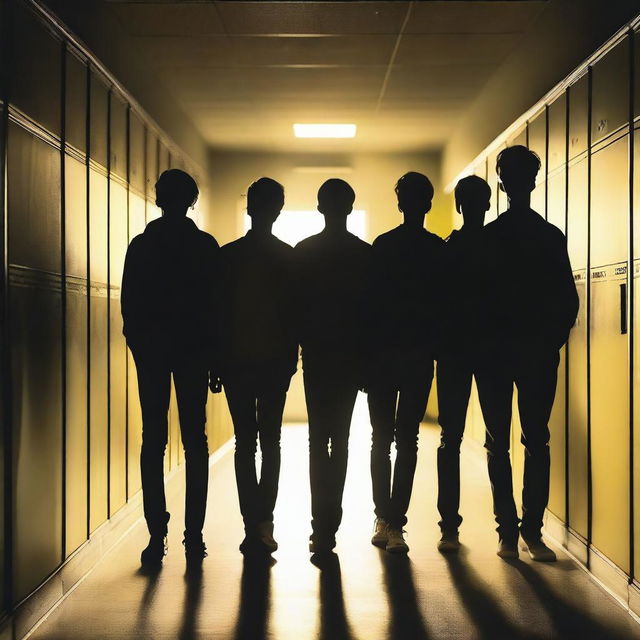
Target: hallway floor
column 362, row 594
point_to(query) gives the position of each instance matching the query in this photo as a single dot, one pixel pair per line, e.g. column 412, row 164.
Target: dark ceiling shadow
column 192, row 599
column 406, row 621
column 255, row 598
column 480, row 603
column 334, row 624
column 569, row 621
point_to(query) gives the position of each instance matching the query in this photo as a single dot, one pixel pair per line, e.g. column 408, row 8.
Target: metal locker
column 98, row 119
column 118, row 233
column 609, row 365
column 636, row 72
column 76, row 102
column 577, row 400
column 557, row 118
column 578, row 94
column 151, row 151
column 136, row 153
column 636, row 347
column 118, row 132
column 98, row 339
column 163, row 158
column 610, row 92
column 35, row 322
column 492, row 179
column 76, row 298
column 537, row 144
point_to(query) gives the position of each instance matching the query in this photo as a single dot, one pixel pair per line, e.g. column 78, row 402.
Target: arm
column 132, row 294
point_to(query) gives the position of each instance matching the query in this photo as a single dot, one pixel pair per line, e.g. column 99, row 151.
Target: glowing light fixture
column 324, row 130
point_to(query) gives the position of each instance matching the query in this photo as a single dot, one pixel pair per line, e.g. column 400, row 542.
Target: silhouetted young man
column 458, row 341
column 530, row 306
column 331, row 269
column 403, row 307
column 168, row 297
column 259, row 354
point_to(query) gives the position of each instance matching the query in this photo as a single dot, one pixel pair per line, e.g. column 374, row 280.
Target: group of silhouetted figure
column 495, row 303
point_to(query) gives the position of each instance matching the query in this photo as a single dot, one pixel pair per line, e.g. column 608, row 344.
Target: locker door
column 537, row 143
column 557, row 116
column 152, row 176
column 578, row 116
column 492, row 179
column 636, row 347
column 577, row 220
column 609, row 352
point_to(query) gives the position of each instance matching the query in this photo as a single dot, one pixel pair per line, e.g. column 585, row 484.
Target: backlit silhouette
column 403, row 306
column 168, row 303
column 259, row 354
column 331, row 271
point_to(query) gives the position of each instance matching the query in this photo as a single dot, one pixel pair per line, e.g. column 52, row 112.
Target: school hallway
column 362, row 593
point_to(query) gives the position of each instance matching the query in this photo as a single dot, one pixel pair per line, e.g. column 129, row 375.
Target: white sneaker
column 380, row 533
column 538, row 550
column 395, row 541
column 265, row 535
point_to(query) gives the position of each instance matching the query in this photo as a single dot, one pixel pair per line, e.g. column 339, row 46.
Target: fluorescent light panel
column 324, row 130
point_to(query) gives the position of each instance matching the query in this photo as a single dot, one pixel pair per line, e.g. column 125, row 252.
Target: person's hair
column 336, row 193
column 472, row 188
column 265, row 193
column 175, row 188
column 518, row 160
column 415, row 183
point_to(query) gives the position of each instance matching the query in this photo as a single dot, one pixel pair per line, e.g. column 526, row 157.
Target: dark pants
column 396, row 408
column 154, row 384
column 331, row 396
column 454, row 388
column 535, row 376
column 256, row 409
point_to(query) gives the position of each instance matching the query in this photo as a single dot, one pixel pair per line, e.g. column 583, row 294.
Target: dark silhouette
column 168, row 300
column 258, row 355
column 530, row 305
column 255, row 598
column 457, row 344
column 403, row 307
column 192, row 600
column 406, row 618
column 331, row 269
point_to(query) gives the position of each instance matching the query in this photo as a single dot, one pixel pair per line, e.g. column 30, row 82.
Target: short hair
column 175, row 188
column 472, row 188
column 415, row 182
column 336, row 192
column 264, row 192
column 519, row 160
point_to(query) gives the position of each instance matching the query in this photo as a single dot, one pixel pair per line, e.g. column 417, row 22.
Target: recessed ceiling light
column 324, row 130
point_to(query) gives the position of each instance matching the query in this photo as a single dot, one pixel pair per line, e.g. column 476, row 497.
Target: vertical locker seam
column 63, row 274
column 88, row 245
column 546, row 161
column 588, row 296
column 567, row 516
column 108, row 345
column 126, row 353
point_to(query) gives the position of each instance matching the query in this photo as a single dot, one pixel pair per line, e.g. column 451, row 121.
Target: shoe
column 395, row 541
column 449, row 542
column 508, row 549
column 194, row 549
column 321, row 544
column 265, row 536
column 380, row 533
column 538, row 550
column 155, row 551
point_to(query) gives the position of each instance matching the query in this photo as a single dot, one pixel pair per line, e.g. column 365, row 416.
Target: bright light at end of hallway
column 324, row 130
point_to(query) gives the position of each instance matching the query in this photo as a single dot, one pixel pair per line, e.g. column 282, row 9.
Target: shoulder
column 308, row 244
column 434, row 239
column 137, row 243
column 386, row 238
column 208, row 240
column 363, row 245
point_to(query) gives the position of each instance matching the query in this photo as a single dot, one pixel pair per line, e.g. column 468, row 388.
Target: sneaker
column 538, row 550
column 395, row 541
column 449, row 542
column 154, row 552
column 265, row 536
column 380, row 533
column 508, row 549
column 321, row 545
column 194, row 549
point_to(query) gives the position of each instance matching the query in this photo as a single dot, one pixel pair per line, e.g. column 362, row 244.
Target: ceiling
column 404, row 72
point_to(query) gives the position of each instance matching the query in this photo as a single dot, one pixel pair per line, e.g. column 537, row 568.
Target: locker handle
column 623, row 308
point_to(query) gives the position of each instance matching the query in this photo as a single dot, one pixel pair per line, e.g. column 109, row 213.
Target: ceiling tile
column 175, row 19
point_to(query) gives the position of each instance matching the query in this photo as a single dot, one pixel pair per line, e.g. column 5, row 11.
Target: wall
column 588, row 136
column 373, row 178
column 81, row 163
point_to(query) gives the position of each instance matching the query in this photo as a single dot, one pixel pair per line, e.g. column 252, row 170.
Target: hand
column 215, row 384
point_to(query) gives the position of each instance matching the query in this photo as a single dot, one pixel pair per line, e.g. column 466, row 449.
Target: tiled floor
column 363, row 593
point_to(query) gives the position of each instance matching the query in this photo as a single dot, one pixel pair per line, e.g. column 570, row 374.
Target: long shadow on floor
column 405, row 617
column 334, row 624
column 151, row 575
column 255, row 598
column 192, row 599
column 485, row 611
column 569, row 621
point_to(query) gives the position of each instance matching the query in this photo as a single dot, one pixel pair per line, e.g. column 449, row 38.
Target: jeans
column 191, row 379
column 331, row 396
column 256, row 410
column 396, row 409
column 535, row 376
column 454, row 388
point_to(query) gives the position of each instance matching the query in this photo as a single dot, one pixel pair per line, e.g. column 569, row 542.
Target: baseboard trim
column 31, row 612
column 595, row 564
